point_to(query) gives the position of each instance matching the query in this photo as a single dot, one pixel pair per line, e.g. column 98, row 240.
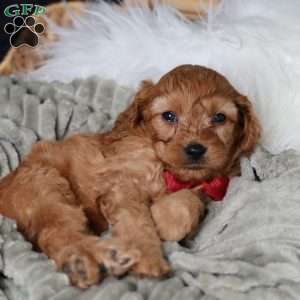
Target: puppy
column 192, row 124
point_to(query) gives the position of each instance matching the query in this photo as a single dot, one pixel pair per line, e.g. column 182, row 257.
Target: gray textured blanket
column 247, row 248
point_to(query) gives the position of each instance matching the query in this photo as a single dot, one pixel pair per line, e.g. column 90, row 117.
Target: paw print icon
column 24, row 31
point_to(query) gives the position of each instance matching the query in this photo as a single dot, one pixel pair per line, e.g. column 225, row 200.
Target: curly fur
column 64, row 193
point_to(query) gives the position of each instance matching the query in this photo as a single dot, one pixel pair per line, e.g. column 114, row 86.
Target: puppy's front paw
column 118, row 259
column 177, row 215
column 82, row 269
column 153, row 266
column 89, row 260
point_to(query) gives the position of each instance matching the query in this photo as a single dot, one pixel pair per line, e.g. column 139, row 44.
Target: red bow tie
column 215, row 188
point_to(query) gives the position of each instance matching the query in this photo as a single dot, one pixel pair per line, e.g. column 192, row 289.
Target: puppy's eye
column 218, row 118
column 170, row 117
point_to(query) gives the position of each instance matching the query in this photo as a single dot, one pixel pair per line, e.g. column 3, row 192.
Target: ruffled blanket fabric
column 247, row 248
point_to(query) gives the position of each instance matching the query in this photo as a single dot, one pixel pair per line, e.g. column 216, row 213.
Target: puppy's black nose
column 195, row 151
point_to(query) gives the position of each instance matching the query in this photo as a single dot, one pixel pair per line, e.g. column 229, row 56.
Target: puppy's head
column 200, row 125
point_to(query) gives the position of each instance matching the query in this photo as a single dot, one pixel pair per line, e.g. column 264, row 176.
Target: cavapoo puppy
column 190, row 127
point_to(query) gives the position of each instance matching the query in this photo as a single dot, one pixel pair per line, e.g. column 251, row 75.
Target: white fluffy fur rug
column 254, row 43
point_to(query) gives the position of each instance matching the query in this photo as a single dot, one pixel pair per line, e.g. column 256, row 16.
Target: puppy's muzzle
column 194, row 151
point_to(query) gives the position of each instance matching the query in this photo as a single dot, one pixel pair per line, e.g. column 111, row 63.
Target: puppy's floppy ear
column 133, row 115
column 251, row 128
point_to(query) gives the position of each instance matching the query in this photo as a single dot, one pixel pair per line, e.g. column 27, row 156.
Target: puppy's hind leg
column 44, row 206
column 83, row 256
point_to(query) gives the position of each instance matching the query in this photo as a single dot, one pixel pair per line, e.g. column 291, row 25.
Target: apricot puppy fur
column 192, row 123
